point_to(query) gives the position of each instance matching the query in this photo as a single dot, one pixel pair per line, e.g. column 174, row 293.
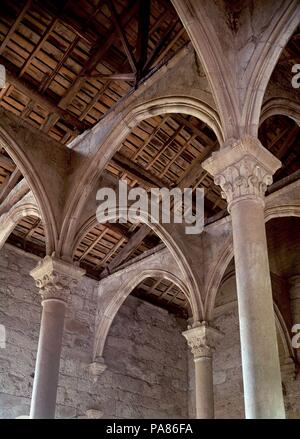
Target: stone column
column 55, row 279
column 244, row 169
column 294, row 282
column 201, row 339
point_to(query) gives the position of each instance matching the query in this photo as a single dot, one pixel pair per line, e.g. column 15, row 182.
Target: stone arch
column 226, row 254
column 172, row 245
column 31, row 176
column 120, row 128
column 109, row 308
column 10, row 219
column 280, row 106
column 238, row 92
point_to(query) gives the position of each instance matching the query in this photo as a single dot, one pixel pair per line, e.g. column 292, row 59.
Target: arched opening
column 145, row 353
column 280, row 135
column 19, row 178
column 20, row 216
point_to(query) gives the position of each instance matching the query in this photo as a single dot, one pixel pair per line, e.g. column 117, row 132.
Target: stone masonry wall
column 145, row 353
column 150, row 371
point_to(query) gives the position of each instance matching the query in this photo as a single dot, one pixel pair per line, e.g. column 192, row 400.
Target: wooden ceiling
column 164, row 293
column 68, row 63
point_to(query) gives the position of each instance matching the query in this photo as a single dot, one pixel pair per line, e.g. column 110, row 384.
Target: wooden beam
column 45, row 102
column 150, row 137
column 164, row 40
column 135, row 171
column 120, row 29
column 9, row 184
column 165, row 146
column 13, row 28
column 129, row 248
column 93, row 244
column 180, row 119
column 7, row 163
column 49, row 78
column 111, row 252
column 114, row 77
column 94, row 100
column 169, row 46
column 97, row 56
column 143, row 36
column 48, row 31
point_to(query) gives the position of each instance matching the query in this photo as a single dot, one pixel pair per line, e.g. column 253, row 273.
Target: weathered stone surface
column 145, row 353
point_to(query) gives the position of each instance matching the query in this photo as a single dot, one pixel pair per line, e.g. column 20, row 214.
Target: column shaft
column 202, row 340
column 244, row 169
column 260, row 358
column 55, row 279
column 48, row 358
column 204, row 388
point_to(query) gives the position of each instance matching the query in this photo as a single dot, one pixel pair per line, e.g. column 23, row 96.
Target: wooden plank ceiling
column 68, row 63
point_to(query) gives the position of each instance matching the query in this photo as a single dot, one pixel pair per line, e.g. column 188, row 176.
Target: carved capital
column 243, row 169
column 56, row 278
column 202, row 340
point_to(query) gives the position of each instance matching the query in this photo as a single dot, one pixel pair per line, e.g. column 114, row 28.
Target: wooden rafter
column 12, row 30
column 135, row 171
column 150, row 137
column 118, row 25
column 128, row 249
column 165, row 146
column 102, row 49
column 45, row 102
column 143, row 36
column 163, row 42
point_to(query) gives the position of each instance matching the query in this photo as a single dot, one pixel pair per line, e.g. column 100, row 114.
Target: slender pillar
column 55, row 279
column 202, row 339
column 244, row 170
column 295, row 304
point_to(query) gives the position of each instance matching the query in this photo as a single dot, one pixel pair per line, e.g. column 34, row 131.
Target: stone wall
column 150, row 371
column 145, row 353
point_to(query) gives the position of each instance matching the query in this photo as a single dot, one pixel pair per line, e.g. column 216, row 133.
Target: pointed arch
column 120, row 129
column 8, row 221
column 28, row 171
column 109, row 308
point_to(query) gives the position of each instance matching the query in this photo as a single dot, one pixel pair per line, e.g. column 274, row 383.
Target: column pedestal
column 243, row 170
column 55, row 279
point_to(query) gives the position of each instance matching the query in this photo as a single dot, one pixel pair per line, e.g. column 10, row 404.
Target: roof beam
column 135, row 171
column 143, row 36
column 164, row 40
column 97, row 56
column 20, row 17
column 45, row 102
column 7, row 163
column 129, row 248
column 120, row 29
